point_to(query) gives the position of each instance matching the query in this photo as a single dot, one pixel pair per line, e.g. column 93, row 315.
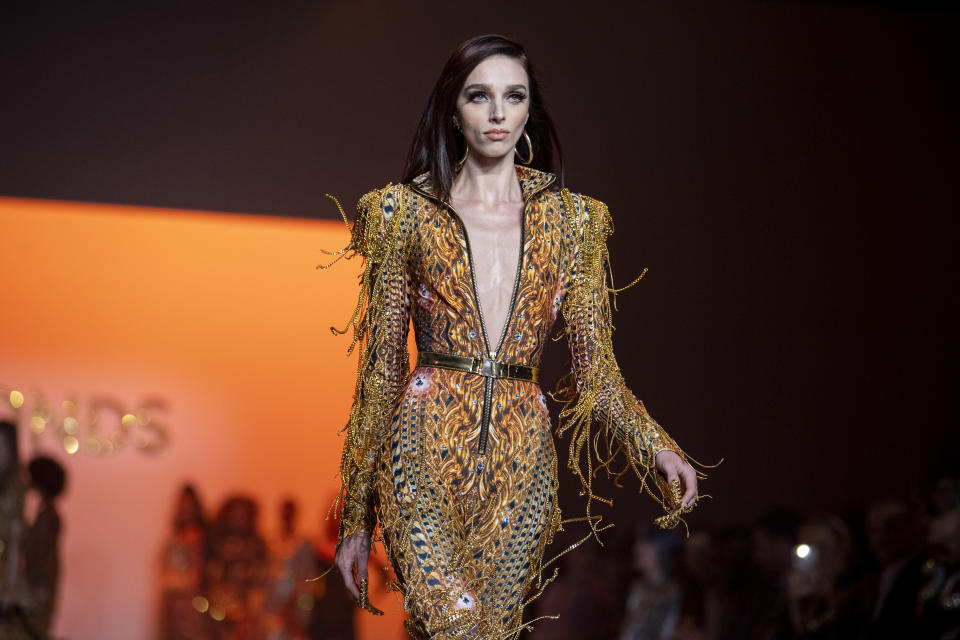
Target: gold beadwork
column 595, row 388
column 396, row 471
column 382, row 360
column 364, row 601
column 675, row 491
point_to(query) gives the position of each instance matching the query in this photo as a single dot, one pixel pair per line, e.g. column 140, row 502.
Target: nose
column 496, row 111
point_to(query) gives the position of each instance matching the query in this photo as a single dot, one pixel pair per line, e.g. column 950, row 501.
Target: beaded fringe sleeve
column 595, row 389
column 379, row 323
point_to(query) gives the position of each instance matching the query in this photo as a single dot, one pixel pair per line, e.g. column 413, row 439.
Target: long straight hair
column 437, row 145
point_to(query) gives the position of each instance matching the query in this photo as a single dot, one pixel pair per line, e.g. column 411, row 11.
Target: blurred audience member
column 825, row 598
column 13, row 600
column 778, row 581
column 333, row 613
column 697, row 573
column 42, row 542
column 653, row 597
column 938, row 603
column 291, row 597
column 183, row 560
column 585, row 596
column 733, row 598
column 773, row 539
column 236, row 572
column 894, row 537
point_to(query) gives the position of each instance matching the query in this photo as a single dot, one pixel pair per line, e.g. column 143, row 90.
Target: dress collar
column 532, row 181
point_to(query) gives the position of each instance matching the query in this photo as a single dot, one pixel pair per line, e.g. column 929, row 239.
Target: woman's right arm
column 380, row 326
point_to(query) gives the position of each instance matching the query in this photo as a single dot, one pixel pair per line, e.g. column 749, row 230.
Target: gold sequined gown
column 460, row 469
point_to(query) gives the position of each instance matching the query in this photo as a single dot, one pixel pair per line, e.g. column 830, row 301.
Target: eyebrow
column 512, row 87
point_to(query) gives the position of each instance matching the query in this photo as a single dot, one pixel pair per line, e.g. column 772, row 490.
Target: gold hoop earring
column 463, row 159
column 529, row 146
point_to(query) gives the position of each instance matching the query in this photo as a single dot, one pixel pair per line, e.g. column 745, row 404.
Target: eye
column 476, row 96
column 517, row 97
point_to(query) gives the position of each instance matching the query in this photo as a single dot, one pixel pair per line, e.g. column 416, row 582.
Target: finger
column 347, row 577
column 346, row 572
column 671, row 472
column 361, row 559
column 690, row 485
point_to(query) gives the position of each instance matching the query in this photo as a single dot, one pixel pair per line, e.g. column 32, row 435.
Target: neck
column 487, row 180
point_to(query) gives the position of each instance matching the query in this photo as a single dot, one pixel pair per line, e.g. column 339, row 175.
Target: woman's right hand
column 354, row 551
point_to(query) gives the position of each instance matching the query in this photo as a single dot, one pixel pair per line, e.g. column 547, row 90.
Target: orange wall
column 225, row 319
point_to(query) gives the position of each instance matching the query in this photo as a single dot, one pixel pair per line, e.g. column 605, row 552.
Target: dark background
column 787, row 171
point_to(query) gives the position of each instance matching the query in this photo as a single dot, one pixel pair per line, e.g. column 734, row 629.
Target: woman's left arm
column 599, row 390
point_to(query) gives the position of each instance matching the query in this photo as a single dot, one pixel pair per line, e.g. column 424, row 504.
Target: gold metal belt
column 482, row 366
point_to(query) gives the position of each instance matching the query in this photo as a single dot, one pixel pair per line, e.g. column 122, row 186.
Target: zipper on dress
column 487, row 409
column 485, row 416
column 488, row 399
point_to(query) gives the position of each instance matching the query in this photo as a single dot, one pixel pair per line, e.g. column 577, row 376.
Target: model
column 455, row 459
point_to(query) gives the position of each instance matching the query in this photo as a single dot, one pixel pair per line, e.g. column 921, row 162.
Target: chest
column 494, row 237
column 464, row 265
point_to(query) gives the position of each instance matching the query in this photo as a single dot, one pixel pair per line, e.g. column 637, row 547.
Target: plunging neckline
column 421, row 185
column 473, row 279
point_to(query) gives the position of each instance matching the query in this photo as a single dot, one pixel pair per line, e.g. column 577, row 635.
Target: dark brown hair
column 437, row 145
column 47, row 475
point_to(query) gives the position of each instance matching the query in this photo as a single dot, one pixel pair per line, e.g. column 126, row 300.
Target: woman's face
column 493, row 106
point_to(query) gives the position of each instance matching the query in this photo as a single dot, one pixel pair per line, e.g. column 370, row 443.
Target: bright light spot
column 128, row 420
column 803, row 550
column 71, row 445
column 201, row 604
column 217, row 613
column 70, row 425
column 16, row 399
column 38, row 424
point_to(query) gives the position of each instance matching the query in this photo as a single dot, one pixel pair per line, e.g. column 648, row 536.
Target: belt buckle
column 487, row 367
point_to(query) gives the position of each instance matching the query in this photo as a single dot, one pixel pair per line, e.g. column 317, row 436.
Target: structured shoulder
column 381, row 203
column 377, row 225
column 587, row 215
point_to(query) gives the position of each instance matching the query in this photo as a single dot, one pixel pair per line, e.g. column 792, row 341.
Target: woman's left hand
column 674, row 468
